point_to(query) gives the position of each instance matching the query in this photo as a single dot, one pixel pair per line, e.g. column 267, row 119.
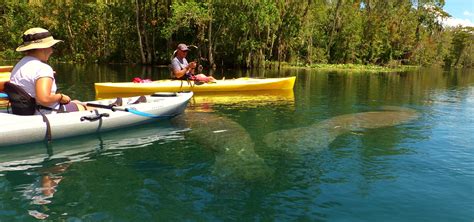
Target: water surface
column 217, row 163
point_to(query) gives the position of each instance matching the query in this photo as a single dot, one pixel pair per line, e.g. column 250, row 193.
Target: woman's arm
column 43, row 93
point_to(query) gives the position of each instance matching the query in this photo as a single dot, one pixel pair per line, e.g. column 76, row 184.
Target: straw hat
column 37, row 38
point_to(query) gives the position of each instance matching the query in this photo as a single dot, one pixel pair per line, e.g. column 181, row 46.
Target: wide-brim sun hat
column 37, row 38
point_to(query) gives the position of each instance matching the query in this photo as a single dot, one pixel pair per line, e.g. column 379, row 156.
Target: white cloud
column 453, row 22
column 468, row 13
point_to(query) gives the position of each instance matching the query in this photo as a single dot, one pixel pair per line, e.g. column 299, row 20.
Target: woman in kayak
column 36, row 77
column 181, row 69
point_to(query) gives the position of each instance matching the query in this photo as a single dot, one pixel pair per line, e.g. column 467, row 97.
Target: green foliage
column 244, row 33
column 189, row 19
column 462, row 48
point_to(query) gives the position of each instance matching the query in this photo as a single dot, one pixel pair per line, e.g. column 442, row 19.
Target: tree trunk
column 71, row 36
column 280, row 54
column 209, row 36
column 147, row 45
column 137, row 20
column 333, row 28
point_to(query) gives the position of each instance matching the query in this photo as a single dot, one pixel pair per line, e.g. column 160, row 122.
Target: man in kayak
column 183, row 70
column 36, row 77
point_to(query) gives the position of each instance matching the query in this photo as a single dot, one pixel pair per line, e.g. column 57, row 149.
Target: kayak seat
column 190, row 79
column 22, row 103
column 198, row 83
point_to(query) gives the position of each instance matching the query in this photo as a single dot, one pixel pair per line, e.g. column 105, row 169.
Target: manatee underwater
column 233, row 147
column 319, row 135
column 235, row 156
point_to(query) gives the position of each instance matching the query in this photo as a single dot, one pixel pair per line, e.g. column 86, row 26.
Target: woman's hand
column 64, row 99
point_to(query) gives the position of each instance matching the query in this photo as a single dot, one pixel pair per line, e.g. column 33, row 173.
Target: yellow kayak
column 230, row 85
column 5, row 74
column 4, row 78
column 6, row 68
column 242, row 98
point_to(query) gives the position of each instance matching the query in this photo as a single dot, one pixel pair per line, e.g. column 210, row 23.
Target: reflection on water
column 241, row 98
column 45, row 164
column 41, row 192
column 23, row 157
column 247, row 99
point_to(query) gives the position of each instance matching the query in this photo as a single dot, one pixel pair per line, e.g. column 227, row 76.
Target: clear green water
column 217, row 164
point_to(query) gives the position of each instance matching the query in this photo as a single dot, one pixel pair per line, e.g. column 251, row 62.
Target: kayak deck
column 240, row 84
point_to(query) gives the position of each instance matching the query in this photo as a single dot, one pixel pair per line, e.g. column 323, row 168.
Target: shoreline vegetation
column 323, row 67
column 274, row 65
column 355, row 67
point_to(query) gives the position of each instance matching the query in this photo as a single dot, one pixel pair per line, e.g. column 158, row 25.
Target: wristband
column 61, row 98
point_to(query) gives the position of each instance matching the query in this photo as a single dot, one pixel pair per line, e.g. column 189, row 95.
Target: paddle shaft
column 111, row 107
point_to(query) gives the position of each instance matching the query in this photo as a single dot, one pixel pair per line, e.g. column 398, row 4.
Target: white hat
column 183, row 47
column 37, row 38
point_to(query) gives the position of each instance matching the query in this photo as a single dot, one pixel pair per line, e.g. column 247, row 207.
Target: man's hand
column 192, row 65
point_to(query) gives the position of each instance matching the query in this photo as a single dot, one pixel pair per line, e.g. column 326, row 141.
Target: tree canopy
column 245, row 33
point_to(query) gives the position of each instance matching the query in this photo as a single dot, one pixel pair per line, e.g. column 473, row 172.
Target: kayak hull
column 27, row 129
column 241, row 84
column 4, row 77
column 6, row 68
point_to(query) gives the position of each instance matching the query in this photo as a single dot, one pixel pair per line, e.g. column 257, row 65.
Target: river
column 342, row 146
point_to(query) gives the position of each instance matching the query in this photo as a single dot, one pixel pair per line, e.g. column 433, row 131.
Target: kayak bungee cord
column 130, row 110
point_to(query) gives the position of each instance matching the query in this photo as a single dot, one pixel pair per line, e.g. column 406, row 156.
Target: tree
column 462, row 49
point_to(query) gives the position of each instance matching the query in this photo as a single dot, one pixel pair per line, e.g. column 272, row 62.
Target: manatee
column 319, row 135
column 233, row 146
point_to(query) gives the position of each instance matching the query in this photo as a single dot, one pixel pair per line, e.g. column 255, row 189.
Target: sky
column 462, row 12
